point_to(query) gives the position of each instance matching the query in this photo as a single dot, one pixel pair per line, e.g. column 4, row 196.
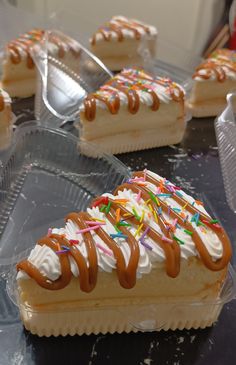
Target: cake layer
column 125, row 122
column 194, row 283
column 138, row 140
column 130, row 52
column 207, row 108
column 21, row 88
column 208, row 90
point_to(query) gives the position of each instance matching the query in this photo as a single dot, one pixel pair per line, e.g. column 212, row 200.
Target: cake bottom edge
column 208, row 108
column 122, row 319
column 134, row 141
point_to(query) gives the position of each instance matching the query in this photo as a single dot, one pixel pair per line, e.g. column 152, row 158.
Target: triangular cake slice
column 212, row 81
column 5, row 120
column 133, row 111
column 146, row 257
column 19, row 71
column 122, row 42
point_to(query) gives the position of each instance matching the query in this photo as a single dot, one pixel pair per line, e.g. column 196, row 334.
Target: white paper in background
column 17, row 19
column 14, row 21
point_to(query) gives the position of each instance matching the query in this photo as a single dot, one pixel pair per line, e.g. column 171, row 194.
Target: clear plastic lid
column 64, row 80
column 225, row 127
column 46, row 175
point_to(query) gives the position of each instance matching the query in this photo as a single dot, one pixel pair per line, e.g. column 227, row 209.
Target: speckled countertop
column 194, row 165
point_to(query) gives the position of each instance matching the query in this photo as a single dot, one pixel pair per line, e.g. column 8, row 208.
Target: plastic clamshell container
column 225, row 127
column 45, row 177
column 62, row 86
column 64, row 78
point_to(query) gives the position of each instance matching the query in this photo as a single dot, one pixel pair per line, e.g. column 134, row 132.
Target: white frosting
column 48, row 263
column 6, row 97
column 127, row 33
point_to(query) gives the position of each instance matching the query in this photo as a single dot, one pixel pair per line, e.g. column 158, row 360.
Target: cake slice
column 212, row 81
column 146, row 257
column 133, row 111
column 5, row 120
column 121, row 42
column 19, row 71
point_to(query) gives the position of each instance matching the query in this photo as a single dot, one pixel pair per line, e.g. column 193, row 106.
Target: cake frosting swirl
column 147, row 221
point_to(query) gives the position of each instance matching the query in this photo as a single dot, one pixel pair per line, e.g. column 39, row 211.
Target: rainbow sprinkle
column 178, row 240
column 166, row 239
column 136, row 214
column 138, row 230
column 106, row 251
column 95, row 223
column 108, row 208
column 88, row 229
column 138, row 196
column 188, row 232
column 118, row 235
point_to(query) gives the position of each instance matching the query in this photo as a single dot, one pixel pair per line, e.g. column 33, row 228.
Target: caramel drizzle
column 24, row 42
column 129, row 87
column 126, row 274
column 27, row 40
column 117, row 28
column 215, row 65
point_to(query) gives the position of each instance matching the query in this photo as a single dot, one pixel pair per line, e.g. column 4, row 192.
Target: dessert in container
column 61, row 91
column 133, row 111
column 39, row 187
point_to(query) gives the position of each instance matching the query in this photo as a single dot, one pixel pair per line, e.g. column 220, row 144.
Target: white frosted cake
column 121, row 42
column 212, row 81
column 146, row 257
column 133, row 111
column 5, row 120
column 19, row 71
